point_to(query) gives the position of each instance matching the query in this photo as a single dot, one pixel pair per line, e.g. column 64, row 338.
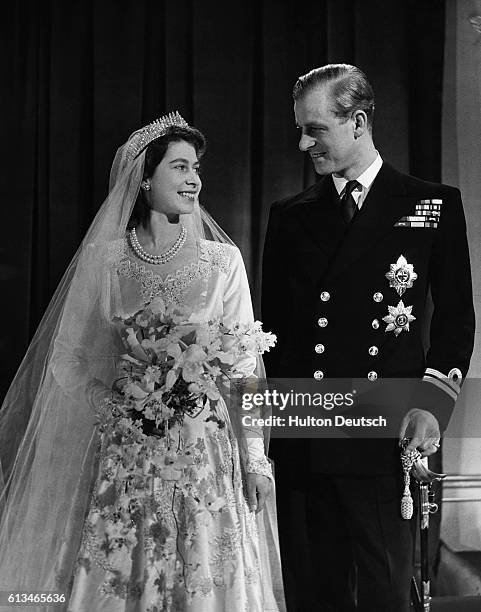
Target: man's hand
column 422, row 428
column 258, row 489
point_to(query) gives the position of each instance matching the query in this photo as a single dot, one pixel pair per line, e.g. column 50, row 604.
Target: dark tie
column 348, row 203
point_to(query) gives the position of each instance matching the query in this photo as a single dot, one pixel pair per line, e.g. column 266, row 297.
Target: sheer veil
column 48, row 436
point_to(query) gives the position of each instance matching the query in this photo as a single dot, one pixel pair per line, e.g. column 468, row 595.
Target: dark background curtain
column 78, row 77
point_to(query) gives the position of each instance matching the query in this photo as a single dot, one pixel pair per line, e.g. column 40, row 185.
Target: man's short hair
column 350, row 89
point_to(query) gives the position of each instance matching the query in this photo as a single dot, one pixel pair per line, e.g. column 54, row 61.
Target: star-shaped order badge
column 401, row 275
column 398, row 318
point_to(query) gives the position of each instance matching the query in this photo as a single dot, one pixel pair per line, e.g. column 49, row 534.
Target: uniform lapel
column 385, row 203
column 319, row 215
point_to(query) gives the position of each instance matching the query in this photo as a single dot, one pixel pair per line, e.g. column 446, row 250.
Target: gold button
column 373, row 351
column 322, row 322
column 372, row 375
column 325, row 296
column 375, row 324
column 318, row 374
column 319, row 348
column 378, row 296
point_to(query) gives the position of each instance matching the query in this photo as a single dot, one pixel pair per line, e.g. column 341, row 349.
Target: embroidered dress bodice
column 173, row 286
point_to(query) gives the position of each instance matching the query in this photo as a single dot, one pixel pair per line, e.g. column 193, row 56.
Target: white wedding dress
column 205, row 552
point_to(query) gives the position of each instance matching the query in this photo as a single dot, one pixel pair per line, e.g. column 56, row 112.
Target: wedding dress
column 204, row 553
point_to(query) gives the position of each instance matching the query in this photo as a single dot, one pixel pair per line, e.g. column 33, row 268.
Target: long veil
column 48, row 435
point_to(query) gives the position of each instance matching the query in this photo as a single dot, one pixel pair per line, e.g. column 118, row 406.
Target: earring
column 145, row 186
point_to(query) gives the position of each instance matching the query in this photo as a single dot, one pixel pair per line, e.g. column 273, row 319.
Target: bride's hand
column 258, row 489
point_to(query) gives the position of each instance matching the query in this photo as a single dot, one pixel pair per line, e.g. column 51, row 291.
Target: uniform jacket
column 325, row 291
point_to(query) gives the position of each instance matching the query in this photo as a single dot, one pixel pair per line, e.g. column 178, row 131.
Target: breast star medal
column 401, row 275
column 398, row 318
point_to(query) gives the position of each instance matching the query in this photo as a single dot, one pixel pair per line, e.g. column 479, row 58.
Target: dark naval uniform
column 352, row 303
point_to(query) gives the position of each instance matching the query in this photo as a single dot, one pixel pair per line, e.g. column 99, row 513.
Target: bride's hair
column 154, row 154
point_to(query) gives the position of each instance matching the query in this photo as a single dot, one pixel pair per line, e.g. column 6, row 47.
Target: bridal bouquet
column 173, row 368
column 173, row 365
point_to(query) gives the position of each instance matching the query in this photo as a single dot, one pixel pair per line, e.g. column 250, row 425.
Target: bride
column 208, row 544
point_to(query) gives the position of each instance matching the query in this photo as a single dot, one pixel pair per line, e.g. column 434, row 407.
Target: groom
column 347, row 267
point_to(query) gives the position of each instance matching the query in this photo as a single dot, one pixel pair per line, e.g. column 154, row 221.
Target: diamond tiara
column 152, row 131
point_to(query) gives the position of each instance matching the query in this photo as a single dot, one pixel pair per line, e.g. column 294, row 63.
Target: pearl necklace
column 163, row 257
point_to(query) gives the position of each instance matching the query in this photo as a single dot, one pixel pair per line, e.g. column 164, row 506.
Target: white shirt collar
column 365, row 179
